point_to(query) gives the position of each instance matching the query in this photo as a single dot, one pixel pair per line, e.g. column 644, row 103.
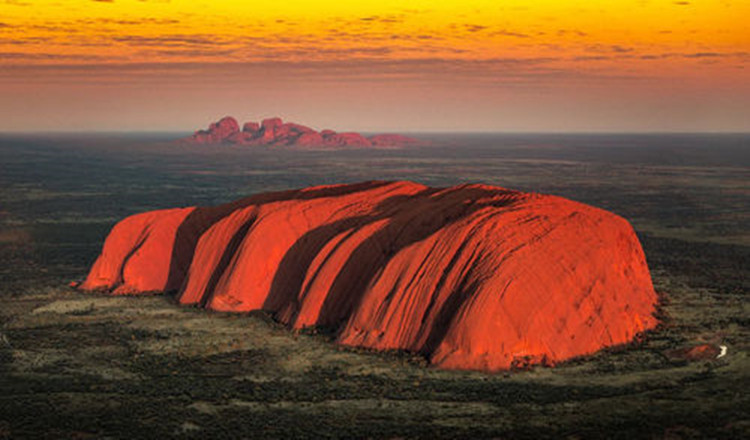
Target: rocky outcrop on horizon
column 471, row 276
column 275, row 132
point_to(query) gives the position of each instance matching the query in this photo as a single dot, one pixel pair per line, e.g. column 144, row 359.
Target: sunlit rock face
column 274, row 132
column 217, row 132
column 472, row 276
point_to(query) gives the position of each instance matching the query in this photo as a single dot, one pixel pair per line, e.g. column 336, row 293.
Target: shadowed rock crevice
column 423, row 215
column 472, row 277
column 445, row 315
column 201, row 219
column 226, row 258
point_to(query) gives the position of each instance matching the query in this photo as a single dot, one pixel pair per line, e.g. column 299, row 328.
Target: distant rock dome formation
column 472, row 276
column 275, row 132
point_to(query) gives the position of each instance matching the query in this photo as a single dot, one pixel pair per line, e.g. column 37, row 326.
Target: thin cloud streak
column 542, row 73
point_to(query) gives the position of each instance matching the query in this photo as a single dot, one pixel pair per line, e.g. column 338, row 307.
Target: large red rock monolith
column 472, row 276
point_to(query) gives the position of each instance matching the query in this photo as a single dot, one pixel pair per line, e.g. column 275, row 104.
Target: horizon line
column 423, row 132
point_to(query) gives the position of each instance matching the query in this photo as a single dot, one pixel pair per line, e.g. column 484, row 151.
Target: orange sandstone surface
column 472, row 276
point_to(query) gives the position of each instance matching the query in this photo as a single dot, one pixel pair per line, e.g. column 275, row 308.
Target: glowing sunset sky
column 376, row 65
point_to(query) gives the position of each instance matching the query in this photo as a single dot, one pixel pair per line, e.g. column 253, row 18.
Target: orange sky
column 371, row 65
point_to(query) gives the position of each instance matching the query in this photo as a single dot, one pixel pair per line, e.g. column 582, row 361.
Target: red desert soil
column 275, row 132
column 472, row 276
